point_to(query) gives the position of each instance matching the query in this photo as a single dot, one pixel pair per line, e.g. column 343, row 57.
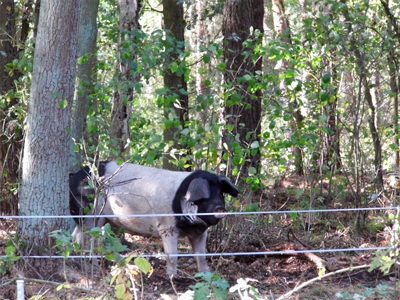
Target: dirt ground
column 272, row 275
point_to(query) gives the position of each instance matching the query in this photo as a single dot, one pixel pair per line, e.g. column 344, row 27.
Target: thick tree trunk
column 44, row 188
column 85, row 77
column 173, row 82
column 245, row 116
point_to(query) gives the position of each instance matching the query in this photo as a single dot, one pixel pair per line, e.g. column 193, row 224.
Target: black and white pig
column 135, row 189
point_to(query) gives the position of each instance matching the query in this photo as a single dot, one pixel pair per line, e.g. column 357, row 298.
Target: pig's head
column 202, row 192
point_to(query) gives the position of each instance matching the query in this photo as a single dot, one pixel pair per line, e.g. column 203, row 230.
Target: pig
column 135, row 189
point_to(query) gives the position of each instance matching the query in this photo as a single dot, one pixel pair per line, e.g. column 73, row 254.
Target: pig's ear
column 228, row 187
column 198, row 189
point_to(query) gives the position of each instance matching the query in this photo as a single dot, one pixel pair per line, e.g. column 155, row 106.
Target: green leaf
column 206, row 58
column 289, row 73
column 327, row 130
column 63, row 104
column 120, row 291
column 143, row 264
column 63, row 286
column 255, row 144
column 200, row 292
column 206, row 276
column 251, row 207
column 174, row 67
column 324, row 98
column 83, row 60
column 326, row 78
column 252, row 171
column 220, row 288
column 272, row 124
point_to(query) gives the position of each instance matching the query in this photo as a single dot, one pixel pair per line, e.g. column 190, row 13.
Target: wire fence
column 272, row 212
column 284, row 252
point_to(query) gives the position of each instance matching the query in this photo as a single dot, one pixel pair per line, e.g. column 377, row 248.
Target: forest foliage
column 328, row 89
column 305, row 88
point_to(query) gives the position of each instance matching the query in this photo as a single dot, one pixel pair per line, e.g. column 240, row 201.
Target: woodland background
column 276, row 93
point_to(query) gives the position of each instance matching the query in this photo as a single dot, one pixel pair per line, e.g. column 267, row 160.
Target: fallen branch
column 318, row 261
column 7, row 282
column 304, row 284
column 57, row 284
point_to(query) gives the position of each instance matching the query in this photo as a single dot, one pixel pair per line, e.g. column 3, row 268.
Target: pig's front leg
column 170, row 244
column 198, row 243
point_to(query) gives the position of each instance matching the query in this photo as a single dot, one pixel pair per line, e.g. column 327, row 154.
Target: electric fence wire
column 286, row 252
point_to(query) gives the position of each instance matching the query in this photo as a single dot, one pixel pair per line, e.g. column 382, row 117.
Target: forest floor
column 272, row 275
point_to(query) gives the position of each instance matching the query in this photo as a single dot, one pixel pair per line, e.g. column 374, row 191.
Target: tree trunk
column 331, row 139
column 394, row 88
column 394, row 74
column 7, row 45
column 201, row 35
column 85, row 77
column 9, row 137
column 243, row 116
column 367, row 94
column 26, row 20
column 176, row 101
column 376, row 140
column 124, row 91
column 44, row 188
column 283, row 30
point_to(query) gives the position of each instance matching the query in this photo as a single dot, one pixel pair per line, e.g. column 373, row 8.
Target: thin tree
column 127, row 75
column 282, row 28
column 244, row 116
column 176, row 101
column 44, row 187
column 394, row 73
column 85, row 77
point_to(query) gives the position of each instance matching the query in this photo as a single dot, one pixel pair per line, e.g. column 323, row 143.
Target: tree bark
column 85, row 77
column 244, row 117
column 26, row 20
column 176, row 101
column 10, row 145
column 376, row 140
column 331, row 140
column 7, row 43
column 44, row 187
column 282, row 28
column 123, row 95
column 363, row 73
column 394, row 74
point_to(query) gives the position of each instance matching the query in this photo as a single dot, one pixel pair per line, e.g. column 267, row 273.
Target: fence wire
column 271, row 212
column 286, row 252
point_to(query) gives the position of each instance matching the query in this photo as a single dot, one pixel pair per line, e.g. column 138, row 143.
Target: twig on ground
column 173, row 285
column 318, row 261
column 304, row 284
column 59, row 283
